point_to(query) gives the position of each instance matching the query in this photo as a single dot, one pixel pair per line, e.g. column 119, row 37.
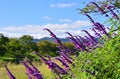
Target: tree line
column 16, row 49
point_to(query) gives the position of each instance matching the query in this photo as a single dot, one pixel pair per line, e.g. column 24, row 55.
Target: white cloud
column 65, row 20
column 10, row 34
column 37, row 30
column 47, row 17
column 63, row 5
column 80, row 23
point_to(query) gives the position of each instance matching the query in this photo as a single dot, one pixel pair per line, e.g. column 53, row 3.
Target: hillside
column 51, row 39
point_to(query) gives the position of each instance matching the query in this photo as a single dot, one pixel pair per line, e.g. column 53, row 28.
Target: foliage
column 27, row 43
column 102, row 63
column 3, row 43
column 19, row 48
column 47, row 47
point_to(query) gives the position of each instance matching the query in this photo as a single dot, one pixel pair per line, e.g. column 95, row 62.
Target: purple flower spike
column 75, row 42
column 40, row 57
column 77, row 45
column 83, row 39
column 28, row 69
column 62, row 50
column 57, row 69
column 69, row 34
column 102, row 12
column 62, row 61
column 81, row 44
column 54, row 36
column 91, row 37
column 66, row 58
column 52, row 65
column 58, row 41
column 78, row 40
column 89, row 43
column 9, row 73
column 33, row 67
column 101, row 28
column 32, row 71
column 36, row 74
column 89, row 17
column 97, row 34
column 113, row 13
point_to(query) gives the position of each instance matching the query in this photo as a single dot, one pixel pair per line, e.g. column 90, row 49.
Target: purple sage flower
column 33, row 67
column 89, row 17
column 28, row 69
column 74, row 41
column 66, row 57
column 91, row 37
column 101, row 28
column 102, row 11
column 9, row 73
column 54, row 36
column 63, row 62
column 113, row 13
column 57, row 69
column 53, row 66
column 96, row 33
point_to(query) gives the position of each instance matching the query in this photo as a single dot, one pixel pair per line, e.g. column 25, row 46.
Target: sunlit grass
column 19, row 70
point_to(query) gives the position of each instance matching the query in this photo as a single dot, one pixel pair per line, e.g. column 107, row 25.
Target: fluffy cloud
column 63, row 5
column 65, row 20
column 37, row 30
column 80, row 23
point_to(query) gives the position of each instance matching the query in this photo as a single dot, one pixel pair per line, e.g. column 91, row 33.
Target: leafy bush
column 101, row 63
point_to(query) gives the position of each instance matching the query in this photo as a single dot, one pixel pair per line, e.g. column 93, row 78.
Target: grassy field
column 19, row 71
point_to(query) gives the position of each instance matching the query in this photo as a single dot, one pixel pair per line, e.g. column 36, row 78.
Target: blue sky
column 19, row 17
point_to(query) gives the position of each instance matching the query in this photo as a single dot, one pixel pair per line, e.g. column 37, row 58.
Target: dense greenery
column 101, row 63
column 16, row 49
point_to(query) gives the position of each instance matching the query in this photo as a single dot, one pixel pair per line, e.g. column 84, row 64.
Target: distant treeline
column 16, row 49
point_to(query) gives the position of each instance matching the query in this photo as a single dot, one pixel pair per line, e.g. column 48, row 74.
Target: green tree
column 3, row 43
column 26, row 41
column 69, row 45
column 18, row 49
column 46, row 47
column 14, row 50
